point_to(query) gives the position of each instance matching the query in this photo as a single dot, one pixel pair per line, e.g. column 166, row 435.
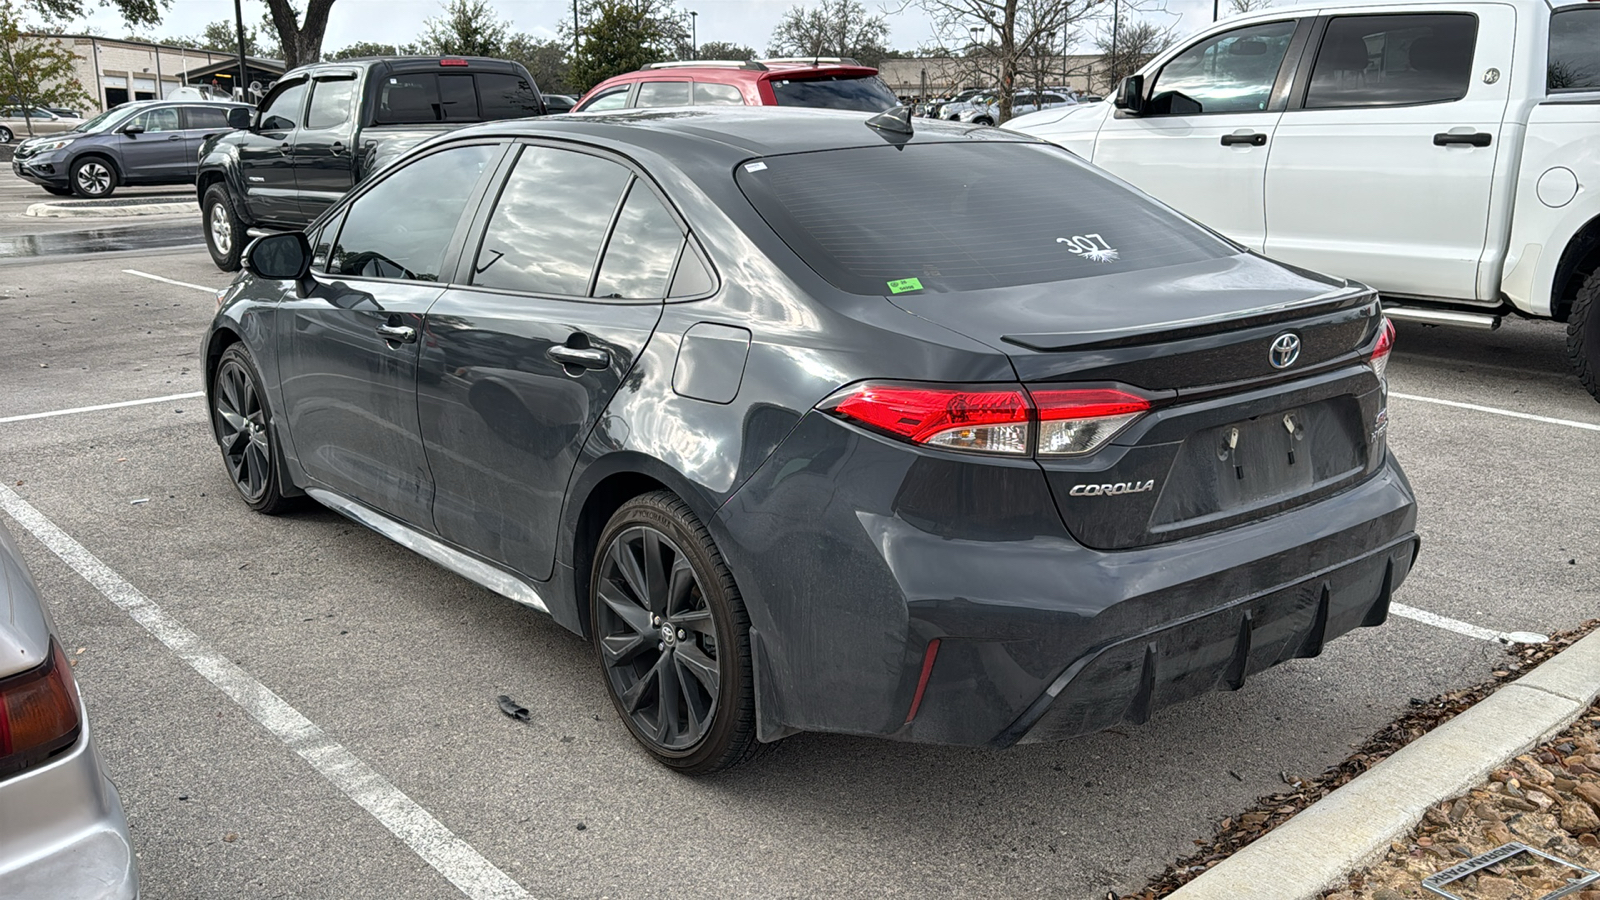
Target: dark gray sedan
column 816, row 421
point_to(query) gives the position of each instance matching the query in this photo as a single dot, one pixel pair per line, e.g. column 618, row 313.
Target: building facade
column 113, row 71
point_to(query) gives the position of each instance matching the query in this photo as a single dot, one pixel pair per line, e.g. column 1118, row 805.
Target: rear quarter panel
column 1556, row 196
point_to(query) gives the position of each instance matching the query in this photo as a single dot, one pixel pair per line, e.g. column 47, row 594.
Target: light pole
column 244, row 78
column 694, row 35
column 575, row 29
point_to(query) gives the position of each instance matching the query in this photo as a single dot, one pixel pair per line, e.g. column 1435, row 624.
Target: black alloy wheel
column 243, row 427
column 672, row 637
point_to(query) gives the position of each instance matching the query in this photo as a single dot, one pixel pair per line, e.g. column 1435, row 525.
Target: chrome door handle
column 401, row 334
column 582, row 357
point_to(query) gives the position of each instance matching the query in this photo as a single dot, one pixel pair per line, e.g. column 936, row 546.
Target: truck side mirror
column 1130, row 94
column 241, row 118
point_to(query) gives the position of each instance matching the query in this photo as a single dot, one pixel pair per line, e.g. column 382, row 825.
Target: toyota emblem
column 1285, row 350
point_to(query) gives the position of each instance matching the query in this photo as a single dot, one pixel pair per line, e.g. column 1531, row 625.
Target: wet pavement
column 26, row 238
column 101, row 239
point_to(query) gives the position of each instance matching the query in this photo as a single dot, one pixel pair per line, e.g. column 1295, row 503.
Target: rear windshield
column 864, row 93
column 413, row 98
column 964, row 217
column 1575, row 49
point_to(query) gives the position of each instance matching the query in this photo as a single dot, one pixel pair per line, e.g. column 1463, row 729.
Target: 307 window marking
column 1092, row 247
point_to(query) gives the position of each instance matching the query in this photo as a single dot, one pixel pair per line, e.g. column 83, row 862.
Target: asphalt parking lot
column 399, row 662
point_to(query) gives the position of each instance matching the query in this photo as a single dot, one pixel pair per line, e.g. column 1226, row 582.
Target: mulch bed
column 1238, row 831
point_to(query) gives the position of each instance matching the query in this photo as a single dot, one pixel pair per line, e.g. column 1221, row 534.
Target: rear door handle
column 1256, row 139
column 582, row 357
column 402, row 334
column 1445, row 138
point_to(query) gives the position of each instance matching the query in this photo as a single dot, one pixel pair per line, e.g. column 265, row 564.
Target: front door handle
column 582, row 357
column 1445, row 138
column 176, row 137
column 401, row 334
column 1256, row 139
column 337, row 148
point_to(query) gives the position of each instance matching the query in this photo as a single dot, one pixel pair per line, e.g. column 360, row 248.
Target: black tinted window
column 1232, row 72
column 282, row 113
column 1575, row 49
column 1392, row 60
column 409, row 98
column 205, row 117
column 958, row 217
column 864, row 94
column 401, row 228
column 507, row 97
column 458, row 99
column 330, row 103
column 641, row 251
column 549, row 223
column 663, row 93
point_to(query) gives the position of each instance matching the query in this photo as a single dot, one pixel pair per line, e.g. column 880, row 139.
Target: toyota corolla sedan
column 811, row 421
column 62, row 831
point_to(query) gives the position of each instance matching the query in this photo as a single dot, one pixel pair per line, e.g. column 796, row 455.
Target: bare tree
column 301, row 40
column 1126, row 48
column 1005, row 34
column 831, row 28
column 1240, row 7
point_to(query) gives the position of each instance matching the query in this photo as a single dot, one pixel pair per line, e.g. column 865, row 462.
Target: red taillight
column 992, row 420
column 1380, row 356
column 453, row 62
column 38, row 713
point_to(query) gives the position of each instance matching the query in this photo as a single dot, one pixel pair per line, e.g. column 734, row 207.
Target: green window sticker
column 903, row 285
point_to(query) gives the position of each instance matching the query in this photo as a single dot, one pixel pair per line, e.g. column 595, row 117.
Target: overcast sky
column 748, row 22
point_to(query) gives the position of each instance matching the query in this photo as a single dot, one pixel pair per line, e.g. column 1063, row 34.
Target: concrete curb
column 65, row 210
column 1353, row 826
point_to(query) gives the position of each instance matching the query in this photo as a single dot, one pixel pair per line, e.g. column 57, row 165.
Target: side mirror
column 241, row 118
column 133, row 129
column 1130, row 94
column 280, row 257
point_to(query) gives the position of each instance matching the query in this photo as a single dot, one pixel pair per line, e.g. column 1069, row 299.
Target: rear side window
column 1574, row 49
column 861, row 93
column 506, row 96
column 205, row 117
column 330, row 103
column 717, row 95
column 641, row 251
column 663, row 93
column 402, row 227
column 1393, row 60
column 549, row 223
column 964, row 217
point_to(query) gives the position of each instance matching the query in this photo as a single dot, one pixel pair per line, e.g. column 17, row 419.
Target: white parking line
column 83, row 409
column 1499, row 412
column 199, row 287
column 1466, row 628
column 454, row 858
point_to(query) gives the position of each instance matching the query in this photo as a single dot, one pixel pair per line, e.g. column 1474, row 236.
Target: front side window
column 862, row 93
column 641, row 251
column 331, row 100
column 158, row 121
column 548, row 226
column 1574, row 49
column 663, row 93
column 283, row 110
column 1393, row 60
column 402, row 227
column 1231, row 72
column 717, row 95
column 616, row 98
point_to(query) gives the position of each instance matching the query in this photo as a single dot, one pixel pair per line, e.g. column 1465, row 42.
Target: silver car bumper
column 62, row 831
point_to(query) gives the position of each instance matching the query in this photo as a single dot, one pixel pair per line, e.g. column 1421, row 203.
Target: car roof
column 733, row 133
column 734, row 72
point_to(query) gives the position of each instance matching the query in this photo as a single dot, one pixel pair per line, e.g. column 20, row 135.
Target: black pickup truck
column 324, row 127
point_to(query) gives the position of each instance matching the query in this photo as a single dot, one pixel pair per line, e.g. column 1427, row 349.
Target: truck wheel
column 1583, row 335
column 224, row 231
column 93, row 177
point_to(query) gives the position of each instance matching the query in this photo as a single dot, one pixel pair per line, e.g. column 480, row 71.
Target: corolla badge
column 1285, row 350
column 1112, row 490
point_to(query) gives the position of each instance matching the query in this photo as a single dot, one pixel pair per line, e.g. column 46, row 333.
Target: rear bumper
column 855, row 553
column 63, row 835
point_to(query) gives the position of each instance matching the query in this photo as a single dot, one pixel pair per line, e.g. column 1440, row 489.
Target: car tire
column 242, row 423
column 222, row 227
column 637, row 622
column 1583, row 335
column 983, row 120
column 5, row 135
column 93, row 177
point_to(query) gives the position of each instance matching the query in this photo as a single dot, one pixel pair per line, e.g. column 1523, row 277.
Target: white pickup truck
column 1446, row 153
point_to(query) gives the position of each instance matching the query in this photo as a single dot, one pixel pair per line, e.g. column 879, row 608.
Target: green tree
column 725, row 50
column 467, row 28
column 134, row 12
column 221, row 38
column 831, row 28
column 365, row 48
column 35, row 71
column 624, row 35
column 546, row 61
